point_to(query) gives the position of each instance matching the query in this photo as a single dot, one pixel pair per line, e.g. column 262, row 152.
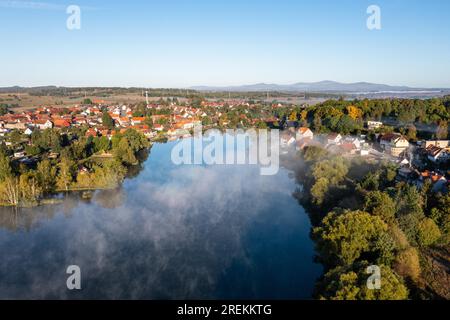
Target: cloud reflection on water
column 198, row 232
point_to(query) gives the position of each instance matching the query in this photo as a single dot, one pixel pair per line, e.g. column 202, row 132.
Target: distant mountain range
column 322, row 86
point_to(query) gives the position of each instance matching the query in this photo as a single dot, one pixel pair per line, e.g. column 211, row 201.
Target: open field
column 22, row 101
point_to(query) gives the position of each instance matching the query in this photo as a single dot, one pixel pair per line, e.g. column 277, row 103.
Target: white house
column 304, row 133
column 43, row 124
column 394, row 144
column 334, row 138
column 286, row 139
column 28, row 131
column 371, row 125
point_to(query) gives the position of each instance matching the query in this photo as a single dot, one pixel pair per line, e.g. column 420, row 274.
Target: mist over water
column 171, row 232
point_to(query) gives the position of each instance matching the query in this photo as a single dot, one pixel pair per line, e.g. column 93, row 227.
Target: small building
column 304, row 133
column 42, row 124
column 28, row 131
column 334, row 138
column 19, row 154
column 437, row 154
column 438, row 143
column 372, row 125
column 394, row 144
column 286, row 139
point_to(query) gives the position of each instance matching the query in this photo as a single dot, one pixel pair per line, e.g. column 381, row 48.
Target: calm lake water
column 171, row 232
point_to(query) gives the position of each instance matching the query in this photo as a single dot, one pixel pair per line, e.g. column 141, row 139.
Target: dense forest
column 65, row 162
column 362, row 216
column 409, row 116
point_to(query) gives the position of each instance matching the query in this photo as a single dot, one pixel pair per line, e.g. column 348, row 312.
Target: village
column 417, row 161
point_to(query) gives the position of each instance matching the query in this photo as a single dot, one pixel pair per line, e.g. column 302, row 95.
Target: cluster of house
column 181, row 119
column 391, row 146
column 334, row 142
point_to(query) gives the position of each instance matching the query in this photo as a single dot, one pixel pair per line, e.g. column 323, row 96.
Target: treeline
column 163, row 92
column 66, row 161
column 345, row 116
column 362, row 216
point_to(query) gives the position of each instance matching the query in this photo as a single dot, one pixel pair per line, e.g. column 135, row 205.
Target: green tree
column 107, row 120
column 46, row 174
column 380, row 204
column 427, row 232
column 66, row 174
column 334, row 170
column 124, row 152
column 350, row 283
column 101, row 144
column 343, row 237
column 5, row 167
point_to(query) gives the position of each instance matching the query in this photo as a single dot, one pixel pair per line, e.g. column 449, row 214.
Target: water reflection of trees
column 142, row 156
column 15, row 219
column 110, row 199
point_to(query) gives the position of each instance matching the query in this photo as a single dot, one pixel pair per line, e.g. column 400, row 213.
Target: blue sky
column 175, row 43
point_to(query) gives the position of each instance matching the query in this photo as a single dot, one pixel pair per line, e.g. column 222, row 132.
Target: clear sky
column 180, row 43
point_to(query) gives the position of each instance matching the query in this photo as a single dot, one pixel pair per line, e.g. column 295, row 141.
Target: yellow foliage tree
column 354, row 112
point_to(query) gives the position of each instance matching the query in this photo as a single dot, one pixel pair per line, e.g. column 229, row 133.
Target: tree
column 411, row 132
column 350, row 283
column 409, row 210
column 5, row 167
column 101, row 144
column 442, row 130
column 110, row 174
column 15, row 137
column 371, row 181
column 46, row 174
column 407, row 263
column 107, row 121
column 137, row 140
column 32, row 150
column 334, row 170
column 29, row 188
column 427, row 232
column 319, row 190
column 385, row 247
column 314, row 153
column 47, row 139
column 354, row 112
column 87, row 101
column 9, row 191
column 66, row 173
column 380, row 204
column 343, row 237
column 124, row 152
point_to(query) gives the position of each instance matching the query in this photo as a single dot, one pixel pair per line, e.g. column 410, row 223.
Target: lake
column 169, row 232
